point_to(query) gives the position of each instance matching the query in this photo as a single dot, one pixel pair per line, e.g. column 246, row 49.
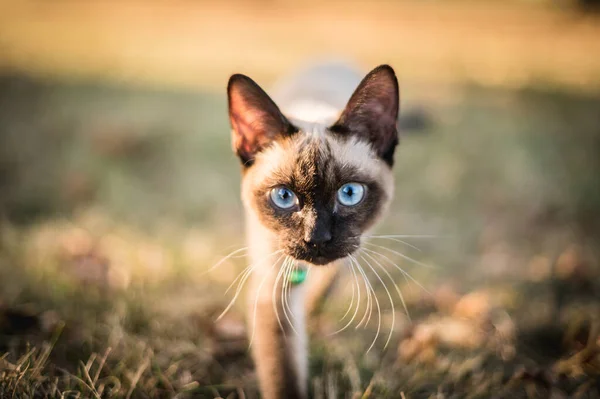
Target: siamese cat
column 316, row 176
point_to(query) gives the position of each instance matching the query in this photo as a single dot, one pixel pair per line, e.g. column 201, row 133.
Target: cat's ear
column 372, row 112
column 255, row 118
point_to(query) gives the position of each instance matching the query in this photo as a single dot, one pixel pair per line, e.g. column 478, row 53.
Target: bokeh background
column 118, row 191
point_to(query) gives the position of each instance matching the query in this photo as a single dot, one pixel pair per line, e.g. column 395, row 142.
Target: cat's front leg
column 278, row 334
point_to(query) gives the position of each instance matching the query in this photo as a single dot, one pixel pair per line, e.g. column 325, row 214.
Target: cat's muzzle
column 321, row 254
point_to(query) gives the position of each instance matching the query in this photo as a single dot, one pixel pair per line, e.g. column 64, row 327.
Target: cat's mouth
column 320, row 256
column 320, row 260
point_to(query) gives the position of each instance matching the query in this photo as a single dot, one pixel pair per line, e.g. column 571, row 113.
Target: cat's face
column 317, row 188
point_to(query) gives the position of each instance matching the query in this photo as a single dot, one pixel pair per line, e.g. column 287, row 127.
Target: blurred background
column 118, row 191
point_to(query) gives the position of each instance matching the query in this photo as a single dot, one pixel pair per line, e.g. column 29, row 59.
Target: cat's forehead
column 316, row 150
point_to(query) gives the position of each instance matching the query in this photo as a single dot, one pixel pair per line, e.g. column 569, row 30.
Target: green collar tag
column 297, row 275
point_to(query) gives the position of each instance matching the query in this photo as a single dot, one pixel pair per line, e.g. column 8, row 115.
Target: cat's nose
column 317, row 236
column 317, row 227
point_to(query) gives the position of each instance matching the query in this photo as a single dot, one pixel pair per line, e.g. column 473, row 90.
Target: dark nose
column 317, row 230
column 317, row 236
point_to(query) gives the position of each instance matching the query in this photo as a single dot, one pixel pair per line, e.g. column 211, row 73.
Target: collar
column 298, row 275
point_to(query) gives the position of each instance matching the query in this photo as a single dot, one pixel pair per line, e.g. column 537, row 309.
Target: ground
column 118, row 201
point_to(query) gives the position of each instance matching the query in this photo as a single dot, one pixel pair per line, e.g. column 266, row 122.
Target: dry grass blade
column 101, row 365
column 138, row 374
column 89, row 382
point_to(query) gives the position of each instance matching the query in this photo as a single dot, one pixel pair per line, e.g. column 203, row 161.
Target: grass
column 117, row 201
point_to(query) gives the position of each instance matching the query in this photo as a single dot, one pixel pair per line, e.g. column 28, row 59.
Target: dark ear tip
column 384, row 73
column 384, row 69
column 236, row 79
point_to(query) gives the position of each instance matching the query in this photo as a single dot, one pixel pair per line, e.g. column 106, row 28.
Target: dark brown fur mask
column 317, row 188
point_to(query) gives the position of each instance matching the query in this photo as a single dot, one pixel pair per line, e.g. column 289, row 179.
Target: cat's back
column 317, row 92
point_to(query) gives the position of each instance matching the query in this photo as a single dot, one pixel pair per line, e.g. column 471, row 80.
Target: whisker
column 393, row 283
column 219, row 263
column 351, row 300
column 404, row 273
column 373, row 295
column 400, row 235
column 357, row 301
column 274, row 300
column 370, row 295
column 241, row 275
column 360, row 269
column 396, row 240
column 286, row 294
column 251, row 267
column 408, row 235
column 239, row 290
column 240, row 286
column 369, row 306
column 285, row 268
column 390, row 299
column 402, row 255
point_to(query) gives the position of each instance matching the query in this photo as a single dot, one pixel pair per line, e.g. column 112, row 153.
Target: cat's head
column 316, row 188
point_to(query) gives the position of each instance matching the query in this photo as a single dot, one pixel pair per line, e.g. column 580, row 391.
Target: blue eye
column 351, row 194
column 283, row 198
